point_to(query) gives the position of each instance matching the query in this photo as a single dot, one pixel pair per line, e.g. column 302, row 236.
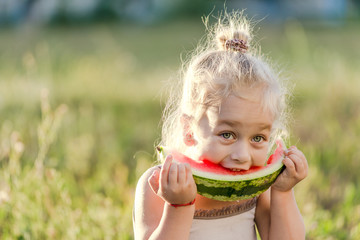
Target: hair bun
column 237, row 41
column 232, row 32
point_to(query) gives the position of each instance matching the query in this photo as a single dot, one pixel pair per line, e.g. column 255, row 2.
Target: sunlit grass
column 70, row 172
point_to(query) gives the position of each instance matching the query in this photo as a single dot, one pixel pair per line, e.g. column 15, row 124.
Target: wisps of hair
column 212, row 72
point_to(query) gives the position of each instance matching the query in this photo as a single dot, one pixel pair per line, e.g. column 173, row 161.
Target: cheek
column 260, row 157
column 210, row 151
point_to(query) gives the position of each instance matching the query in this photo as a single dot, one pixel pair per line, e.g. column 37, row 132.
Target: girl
column 230, row 110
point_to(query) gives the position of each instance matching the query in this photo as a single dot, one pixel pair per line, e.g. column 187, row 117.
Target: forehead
column 245, row 110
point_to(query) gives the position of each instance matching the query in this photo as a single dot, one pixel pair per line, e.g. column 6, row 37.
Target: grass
column 70, row 155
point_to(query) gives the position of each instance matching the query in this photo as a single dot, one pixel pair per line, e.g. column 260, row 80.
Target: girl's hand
column 174, row 183
column 295, row 171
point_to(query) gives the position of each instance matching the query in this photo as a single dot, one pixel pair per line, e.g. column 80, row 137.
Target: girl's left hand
column 295, row 171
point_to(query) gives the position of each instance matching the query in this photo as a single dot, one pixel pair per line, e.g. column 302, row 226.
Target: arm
column 277, row 215
column 154, row 217
column 286, row 219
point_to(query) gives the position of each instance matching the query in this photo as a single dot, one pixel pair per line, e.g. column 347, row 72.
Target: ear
column 185, row 121
column 188, row 135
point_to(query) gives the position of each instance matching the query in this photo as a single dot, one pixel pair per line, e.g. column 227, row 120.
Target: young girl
column 230, row 110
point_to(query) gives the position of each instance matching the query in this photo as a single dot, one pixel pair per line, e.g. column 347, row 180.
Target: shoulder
column 148, row 206
column 144, row 192
column 143, row 180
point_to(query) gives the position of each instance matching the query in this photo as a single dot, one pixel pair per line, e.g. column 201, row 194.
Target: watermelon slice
column 219, row 183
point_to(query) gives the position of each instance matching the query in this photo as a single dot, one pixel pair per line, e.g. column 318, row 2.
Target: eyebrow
column 262, row 126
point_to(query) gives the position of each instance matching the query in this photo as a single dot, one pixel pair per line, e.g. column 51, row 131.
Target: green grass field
column 79, row 117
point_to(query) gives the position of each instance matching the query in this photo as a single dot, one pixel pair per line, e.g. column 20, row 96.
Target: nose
column 240, row 157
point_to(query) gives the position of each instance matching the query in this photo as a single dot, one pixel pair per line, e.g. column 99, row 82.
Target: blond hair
column 214, row 72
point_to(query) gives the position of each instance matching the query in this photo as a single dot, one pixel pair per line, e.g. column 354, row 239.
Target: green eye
column 226, row 135
column 258, row 139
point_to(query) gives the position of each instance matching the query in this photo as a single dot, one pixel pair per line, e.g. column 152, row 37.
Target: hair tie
column 183, row 205
column 236, row 45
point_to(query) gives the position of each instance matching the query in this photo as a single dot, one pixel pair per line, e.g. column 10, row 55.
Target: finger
column 173, row 174
column 300, row 162
column 164, row 173
column 290, row 166
column 153, row 181
column 302, row 155
column 189, row 177
column 299, row 166
column 290, row 150
column 303, row 159
column 306, row 165
column 296, row 151
column 181, row 174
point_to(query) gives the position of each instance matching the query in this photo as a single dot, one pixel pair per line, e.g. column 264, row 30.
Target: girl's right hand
column 174, row 183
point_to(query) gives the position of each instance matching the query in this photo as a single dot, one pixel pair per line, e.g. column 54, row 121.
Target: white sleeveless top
column 228, row 223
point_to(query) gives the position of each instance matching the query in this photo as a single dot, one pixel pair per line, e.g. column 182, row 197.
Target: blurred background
column 83, row 83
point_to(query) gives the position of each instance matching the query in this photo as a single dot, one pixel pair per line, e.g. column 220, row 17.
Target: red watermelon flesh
column 219, row 183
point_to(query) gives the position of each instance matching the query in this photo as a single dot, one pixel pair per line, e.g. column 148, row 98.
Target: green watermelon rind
column 231, row 191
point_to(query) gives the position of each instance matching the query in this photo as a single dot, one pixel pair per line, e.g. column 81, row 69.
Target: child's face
column 235, row 136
